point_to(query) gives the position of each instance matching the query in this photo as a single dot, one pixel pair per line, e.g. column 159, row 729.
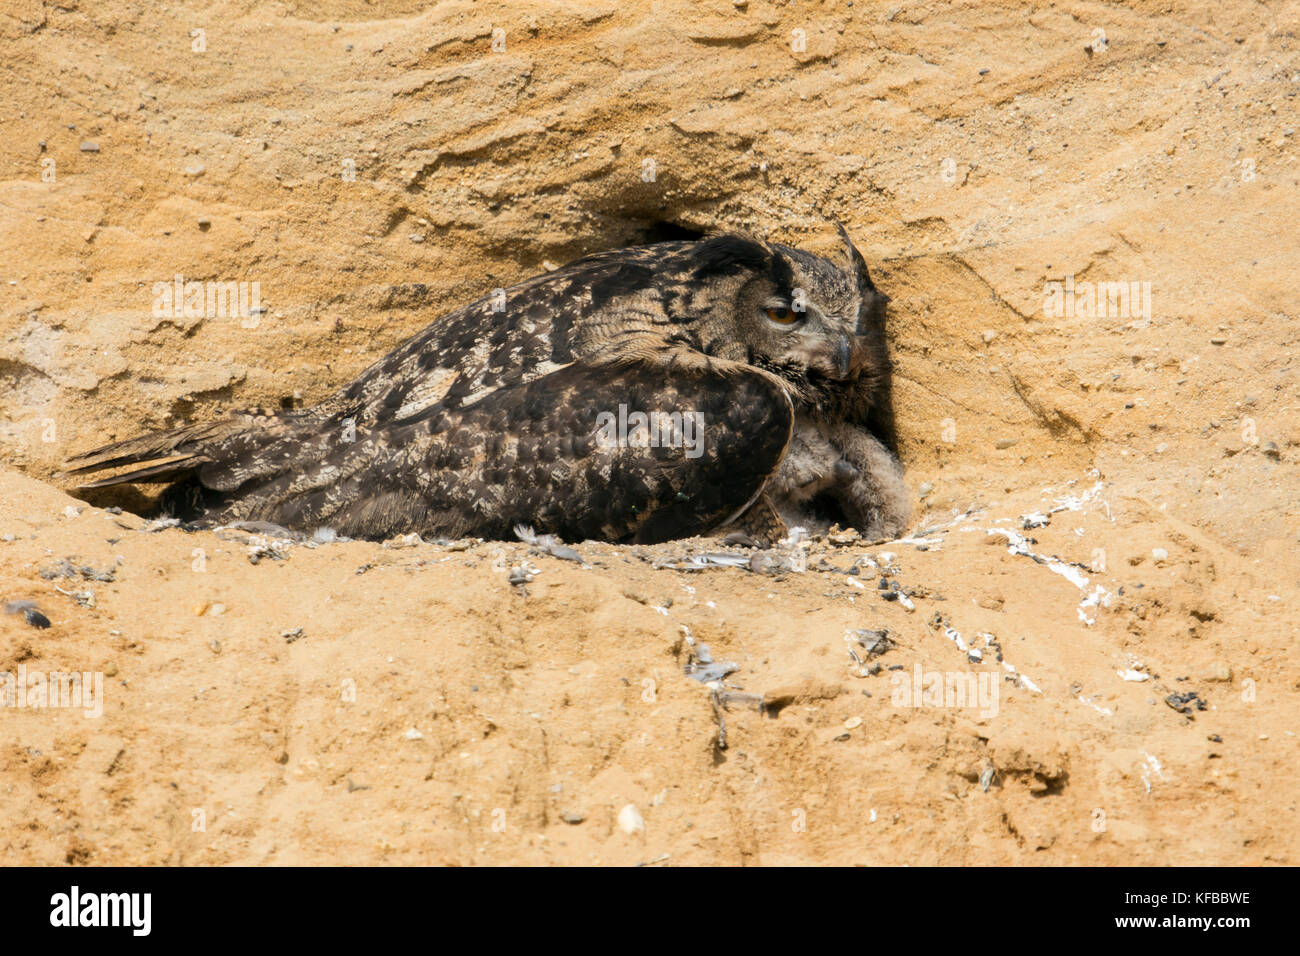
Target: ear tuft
column 858, row 263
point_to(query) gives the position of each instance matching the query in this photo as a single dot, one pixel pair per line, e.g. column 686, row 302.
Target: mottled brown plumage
column 500, row 412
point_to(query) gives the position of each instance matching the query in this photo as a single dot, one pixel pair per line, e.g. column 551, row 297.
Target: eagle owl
column 637, row 395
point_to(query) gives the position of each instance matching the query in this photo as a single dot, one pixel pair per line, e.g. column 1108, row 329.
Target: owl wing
column 549, row 453
column 468, row 353
column 569, row 454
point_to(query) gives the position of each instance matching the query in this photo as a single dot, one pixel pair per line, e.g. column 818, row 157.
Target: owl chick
column 638, row 395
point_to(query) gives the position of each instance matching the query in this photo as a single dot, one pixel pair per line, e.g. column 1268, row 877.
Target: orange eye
column 786, row 316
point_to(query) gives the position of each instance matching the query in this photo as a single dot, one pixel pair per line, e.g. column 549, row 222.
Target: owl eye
column 782, row 315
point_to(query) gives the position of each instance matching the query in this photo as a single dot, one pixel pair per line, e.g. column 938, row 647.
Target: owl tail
column 160, row 456
column 168, row 455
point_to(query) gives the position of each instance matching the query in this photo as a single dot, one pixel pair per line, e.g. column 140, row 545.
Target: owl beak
column 844, row 357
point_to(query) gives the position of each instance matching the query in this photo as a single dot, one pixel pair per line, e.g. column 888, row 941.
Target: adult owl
column 637, row 395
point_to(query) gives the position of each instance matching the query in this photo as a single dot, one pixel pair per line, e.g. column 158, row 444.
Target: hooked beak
column 844, row 357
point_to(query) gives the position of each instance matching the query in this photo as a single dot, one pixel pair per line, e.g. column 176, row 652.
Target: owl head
column 816, row 323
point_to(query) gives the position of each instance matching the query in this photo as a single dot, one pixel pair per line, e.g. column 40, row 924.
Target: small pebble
column 1218, row 672
column 630, row 820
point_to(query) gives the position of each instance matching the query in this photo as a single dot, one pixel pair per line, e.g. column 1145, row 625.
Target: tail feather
column 296, row 469
column 163, row 471
column 167, row 455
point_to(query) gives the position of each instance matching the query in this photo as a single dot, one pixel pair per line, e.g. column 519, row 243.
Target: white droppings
column 1019, row 545
column 1152, row 765
column 1076, row 503
column 954, row 635
column 1027, row 683
column 1104, row 711
column 1035, row 519
column 1099, row 597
